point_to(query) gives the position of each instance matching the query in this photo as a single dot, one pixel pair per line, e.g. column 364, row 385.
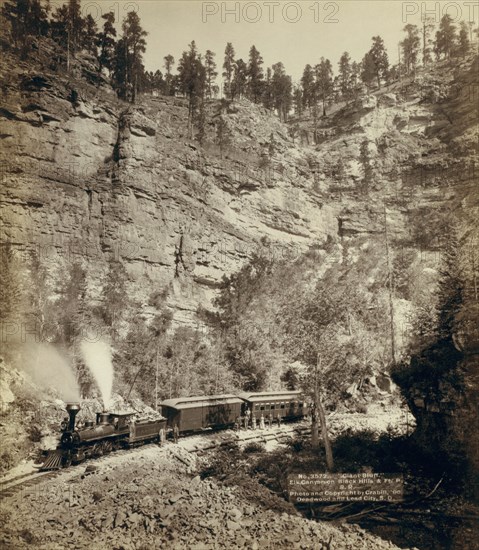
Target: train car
column 288, row 405
column 198, row 413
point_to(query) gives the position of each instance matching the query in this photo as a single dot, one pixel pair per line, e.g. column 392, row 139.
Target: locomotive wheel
column 106, row 447
column 97, row 450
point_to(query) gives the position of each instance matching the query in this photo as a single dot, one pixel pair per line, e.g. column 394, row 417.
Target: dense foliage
column 275, row 317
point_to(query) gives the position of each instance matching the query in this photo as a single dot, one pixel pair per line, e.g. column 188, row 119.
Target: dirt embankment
column 157, row 500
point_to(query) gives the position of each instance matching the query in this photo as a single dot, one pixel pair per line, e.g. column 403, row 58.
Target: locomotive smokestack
column 72, row 409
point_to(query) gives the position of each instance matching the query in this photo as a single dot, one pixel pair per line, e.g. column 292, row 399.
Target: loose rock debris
column 156, row 500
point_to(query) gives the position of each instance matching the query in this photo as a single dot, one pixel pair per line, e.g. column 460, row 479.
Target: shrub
column 7, row 461
column 254, row 447
column 223, row 462
column 296, row 444
column 34, row 433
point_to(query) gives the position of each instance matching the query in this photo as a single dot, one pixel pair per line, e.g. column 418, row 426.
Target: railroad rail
column 206, row 442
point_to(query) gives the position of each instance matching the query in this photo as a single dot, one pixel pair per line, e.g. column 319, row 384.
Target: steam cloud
column 48, row 368
column 97, row 356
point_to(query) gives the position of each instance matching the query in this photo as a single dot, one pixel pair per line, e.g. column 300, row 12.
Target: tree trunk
column 188, row 126
column 319, row 411
column 324, row 433
column 156, row 378
column 314, row 427
column 68, row 50
column 390, row 291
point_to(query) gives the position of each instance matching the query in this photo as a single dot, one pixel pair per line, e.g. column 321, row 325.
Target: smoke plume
column 49, row 369
column 97, row 356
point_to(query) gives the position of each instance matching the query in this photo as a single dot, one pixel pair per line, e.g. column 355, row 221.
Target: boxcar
column 288, row 405
column 198, row 413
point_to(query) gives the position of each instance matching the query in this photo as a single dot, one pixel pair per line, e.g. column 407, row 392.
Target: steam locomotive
column 116, row 430
column 110, row 432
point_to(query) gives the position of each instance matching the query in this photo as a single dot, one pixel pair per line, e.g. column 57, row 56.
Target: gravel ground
column 153, row 498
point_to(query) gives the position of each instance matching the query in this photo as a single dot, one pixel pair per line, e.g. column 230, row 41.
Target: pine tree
column 89, row 37
column 451, row 285
column 211, row 73
column 133, row 46
column 228, row 67
column 223, row 134
column 158, row 83
column 427, row 27
column 345, row 74
column 410, row 47
column 71, row 305
column 199, row 120
column 75, row 25
column 27, row 18
column 169, row 62
column 355, row 78
column 379, row 58
column 298, row 101
column 16, row 13
column 38, row 24
column 307, row 83
column 152, row 82
column 437, row 46
column 68, row 28
column 119, row 69
column 464, row 44
column 324, row 81
column 112, row 308
column 192, row 82
column 106, row 41
column 238, row 84
column 368, row 70
column 255, row 75
column 267, row 90
column 59, row 26
column 445, row 37
column 281, row 91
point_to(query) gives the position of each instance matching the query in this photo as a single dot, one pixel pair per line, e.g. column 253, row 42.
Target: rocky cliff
column 90, row 179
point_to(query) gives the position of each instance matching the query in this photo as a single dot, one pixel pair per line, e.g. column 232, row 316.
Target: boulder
column 388, row 100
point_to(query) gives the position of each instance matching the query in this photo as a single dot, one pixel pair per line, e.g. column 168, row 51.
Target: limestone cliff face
column 91, row 179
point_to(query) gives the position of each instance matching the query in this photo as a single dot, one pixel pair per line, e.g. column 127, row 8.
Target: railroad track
column 15, row 485
column 251, row 436
column 208, row 442
column 22, row 482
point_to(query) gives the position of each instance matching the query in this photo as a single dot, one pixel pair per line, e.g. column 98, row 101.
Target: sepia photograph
column 239, row 262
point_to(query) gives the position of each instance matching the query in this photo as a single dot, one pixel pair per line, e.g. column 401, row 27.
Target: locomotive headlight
column 66, row 440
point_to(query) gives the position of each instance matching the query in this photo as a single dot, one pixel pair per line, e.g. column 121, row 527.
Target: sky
column 295, row 33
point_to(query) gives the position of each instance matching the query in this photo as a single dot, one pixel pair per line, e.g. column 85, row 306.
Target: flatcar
column 287, row 405
column 191, row 414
